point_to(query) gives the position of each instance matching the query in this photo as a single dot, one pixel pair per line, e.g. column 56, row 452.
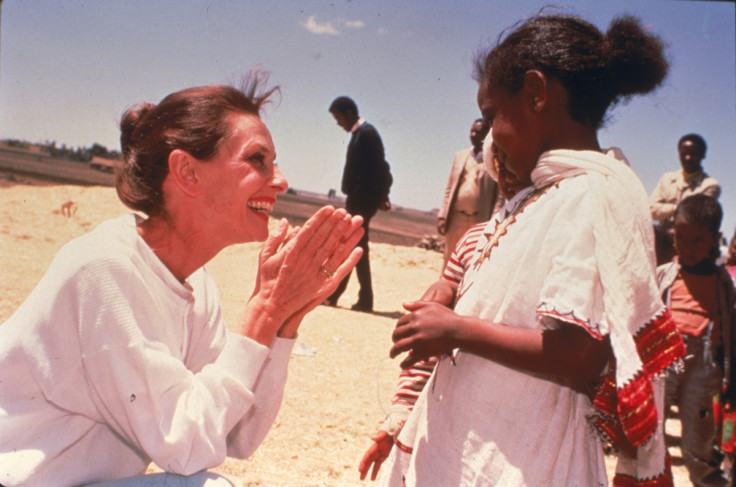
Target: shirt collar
column 690, row 175
column 360, row 122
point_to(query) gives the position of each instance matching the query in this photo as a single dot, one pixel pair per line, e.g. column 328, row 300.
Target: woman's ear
column 183, row 172
column 535, row 89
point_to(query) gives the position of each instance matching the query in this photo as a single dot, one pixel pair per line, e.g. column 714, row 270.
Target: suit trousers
column 363, row 268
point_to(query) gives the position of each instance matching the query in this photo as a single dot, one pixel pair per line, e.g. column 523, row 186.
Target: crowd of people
column 551, row 337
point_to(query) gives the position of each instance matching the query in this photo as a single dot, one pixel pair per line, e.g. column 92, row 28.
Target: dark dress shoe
column 363, row 308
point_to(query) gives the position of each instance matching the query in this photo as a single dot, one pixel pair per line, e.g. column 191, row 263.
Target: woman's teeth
column 265, row 206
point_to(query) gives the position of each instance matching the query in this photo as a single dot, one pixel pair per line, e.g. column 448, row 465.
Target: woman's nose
column 279, row 183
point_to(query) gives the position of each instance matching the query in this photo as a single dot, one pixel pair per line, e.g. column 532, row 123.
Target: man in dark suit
column 366, row 180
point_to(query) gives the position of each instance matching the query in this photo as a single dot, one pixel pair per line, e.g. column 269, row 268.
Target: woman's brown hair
column 193, row 120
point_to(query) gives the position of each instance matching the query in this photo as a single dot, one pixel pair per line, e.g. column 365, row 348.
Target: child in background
column 664, row 242
column 731, row 257
column 701, row 296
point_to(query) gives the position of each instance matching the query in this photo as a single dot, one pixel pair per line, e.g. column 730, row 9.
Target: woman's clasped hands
column 299, row 268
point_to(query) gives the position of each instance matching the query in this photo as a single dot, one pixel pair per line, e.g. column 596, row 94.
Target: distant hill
column 42, row 165
column 400, row 226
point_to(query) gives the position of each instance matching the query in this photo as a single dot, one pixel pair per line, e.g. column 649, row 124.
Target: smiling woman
column 121, row 354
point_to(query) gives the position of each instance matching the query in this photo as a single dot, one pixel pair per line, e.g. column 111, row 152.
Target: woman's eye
column 257, row 160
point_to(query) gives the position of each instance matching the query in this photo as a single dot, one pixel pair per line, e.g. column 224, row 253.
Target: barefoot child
column 701, row 296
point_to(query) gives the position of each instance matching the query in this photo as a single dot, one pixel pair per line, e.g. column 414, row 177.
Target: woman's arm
column 139, row 380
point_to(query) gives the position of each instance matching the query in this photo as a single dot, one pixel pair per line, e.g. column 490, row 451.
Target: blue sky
column 68, row 69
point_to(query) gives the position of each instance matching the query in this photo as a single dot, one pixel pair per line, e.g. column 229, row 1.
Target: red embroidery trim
column 572, row 319
column 663, row 480
column 636, row 409
column 627, row 415
column 659, row 344
column 403, row 447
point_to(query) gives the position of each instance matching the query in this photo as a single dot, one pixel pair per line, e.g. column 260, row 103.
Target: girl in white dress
column 558, row 332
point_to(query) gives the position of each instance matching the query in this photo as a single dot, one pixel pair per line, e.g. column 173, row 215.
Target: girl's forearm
column 568, row 351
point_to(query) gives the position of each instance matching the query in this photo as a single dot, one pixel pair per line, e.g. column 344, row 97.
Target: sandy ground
column 341, row 378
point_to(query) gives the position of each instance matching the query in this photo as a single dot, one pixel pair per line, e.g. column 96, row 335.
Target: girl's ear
column 183, row 171
column 535, row 89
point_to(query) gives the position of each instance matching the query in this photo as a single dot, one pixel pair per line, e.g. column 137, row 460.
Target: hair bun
column 635, row 57
column 129, row 124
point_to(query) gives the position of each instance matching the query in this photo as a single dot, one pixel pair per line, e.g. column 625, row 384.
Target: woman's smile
column 262, row 206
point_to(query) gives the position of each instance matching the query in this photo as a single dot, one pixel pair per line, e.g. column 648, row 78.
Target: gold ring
column 327, row 274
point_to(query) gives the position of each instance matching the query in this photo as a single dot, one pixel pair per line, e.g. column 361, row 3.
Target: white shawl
column 624, row 251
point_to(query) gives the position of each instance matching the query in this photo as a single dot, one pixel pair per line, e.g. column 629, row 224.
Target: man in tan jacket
column 675, row 186
column 471, row 195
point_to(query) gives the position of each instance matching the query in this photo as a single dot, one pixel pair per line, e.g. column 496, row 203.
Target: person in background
column 731, row 257
column 702, row 298
column 664, row 241
column 366, row 182
column 120, row 356
column 413, row 379
column 674, row 186
column 544, row 345
column 471, row 195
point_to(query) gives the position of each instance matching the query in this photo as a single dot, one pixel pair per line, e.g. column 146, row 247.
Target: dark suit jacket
column 366, row 178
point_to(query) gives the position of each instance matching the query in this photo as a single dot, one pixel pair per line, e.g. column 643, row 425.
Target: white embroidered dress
column 479, row 423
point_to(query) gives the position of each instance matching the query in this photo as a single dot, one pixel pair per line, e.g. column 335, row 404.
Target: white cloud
column 354, row 24
column 330, row 27
column 319, row 28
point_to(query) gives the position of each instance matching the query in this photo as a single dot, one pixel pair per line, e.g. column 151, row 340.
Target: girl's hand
column 442, row 292
column 376, row 454
column 428, row 329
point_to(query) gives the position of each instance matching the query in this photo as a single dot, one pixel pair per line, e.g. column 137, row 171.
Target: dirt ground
column 340, row 378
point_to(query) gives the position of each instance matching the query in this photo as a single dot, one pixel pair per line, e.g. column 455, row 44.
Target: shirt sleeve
column 268, row 393
column 143, row 390
column 447, row 195
column 661, row 208
column 462, row 255
column 572, row 291
column 713, row 189
column 411, row 382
